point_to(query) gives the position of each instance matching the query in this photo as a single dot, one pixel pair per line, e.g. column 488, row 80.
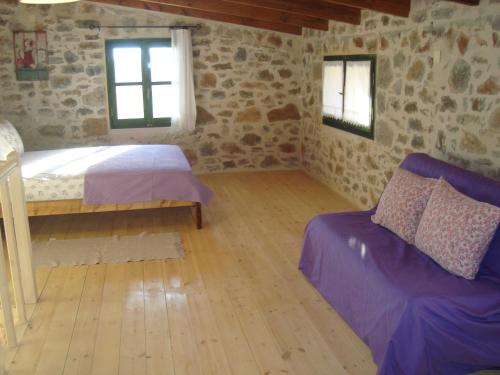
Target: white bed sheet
column 58, row 174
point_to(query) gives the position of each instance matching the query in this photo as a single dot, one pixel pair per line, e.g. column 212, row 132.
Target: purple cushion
column 469, row 183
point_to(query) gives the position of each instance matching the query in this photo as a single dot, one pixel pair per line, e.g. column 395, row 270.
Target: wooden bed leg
column 199, row 222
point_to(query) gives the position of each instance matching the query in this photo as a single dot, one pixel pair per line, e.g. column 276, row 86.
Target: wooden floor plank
column 217, row 275
column 106, row 359
column 354, row 357
column 212, row 356
column 184, row 348
column 56, row 346
column 159, row 358
column 133, row 330
column 81, row 350
column 234, row 304
column 31, row 346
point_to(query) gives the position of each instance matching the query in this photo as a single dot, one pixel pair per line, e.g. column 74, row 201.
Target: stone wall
column 449, row 108
column 247, row 90
column 252, row 86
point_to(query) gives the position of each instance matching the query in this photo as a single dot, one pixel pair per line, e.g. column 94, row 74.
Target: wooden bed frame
column 76, row 206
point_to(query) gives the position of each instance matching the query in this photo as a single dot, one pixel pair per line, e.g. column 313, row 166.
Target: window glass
column 164, row 100
column 160, row 64
column 128, row 66
column 129, row 102
column 357, row 93
column 333, row 78
column 140, row 83
column 349, row 93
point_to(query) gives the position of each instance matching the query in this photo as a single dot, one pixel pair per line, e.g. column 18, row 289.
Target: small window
column 140, row 83
column 349, row 93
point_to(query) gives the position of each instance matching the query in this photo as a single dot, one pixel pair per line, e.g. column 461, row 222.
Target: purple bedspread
column 416, row 317
column 143, row 173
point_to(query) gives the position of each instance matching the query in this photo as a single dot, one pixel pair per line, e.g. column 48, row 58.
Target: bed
column 106, row 178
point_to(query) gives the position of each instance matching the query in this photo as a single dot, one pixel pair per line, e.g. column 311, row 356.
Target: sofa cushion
column 473, row 185
column 9, row 133
column 399, row 301
column 403, row 202
column 456, row 230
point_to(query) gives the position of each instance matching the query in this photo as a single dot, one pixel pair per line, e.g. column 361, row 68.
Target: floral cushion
column 9, row 134
column 403, row 202
column 456, row 230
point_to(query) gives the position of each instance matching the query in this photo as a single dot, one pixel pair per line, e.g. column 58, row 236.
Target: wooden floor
column 235, row 304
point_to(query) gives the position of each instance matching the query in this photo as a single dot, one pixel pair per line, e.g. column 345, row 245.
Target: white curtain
column 357, row 104
column 182, row 81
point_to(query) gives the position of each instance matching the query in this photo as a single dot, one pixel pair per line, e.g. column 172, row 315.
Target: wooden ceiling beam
column 318, row 8
column 245, row 21
column 399, row 8
column 241, row 10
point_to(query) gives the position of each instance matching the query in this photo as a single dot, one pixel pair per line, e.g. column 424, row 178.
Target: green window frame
column 148, row 120
column 351, row 127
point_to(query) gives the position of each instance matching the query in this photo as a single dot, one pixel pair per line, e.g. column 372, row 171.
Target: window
column 349, row 93
column 140, row 89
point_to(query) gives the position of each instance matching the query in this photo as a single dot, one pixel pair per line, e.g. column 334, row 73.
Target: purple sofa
column 416, row 317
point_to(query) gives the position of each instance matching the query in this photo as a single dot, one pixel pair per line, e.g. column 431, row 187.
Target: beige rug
column 87, row 251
